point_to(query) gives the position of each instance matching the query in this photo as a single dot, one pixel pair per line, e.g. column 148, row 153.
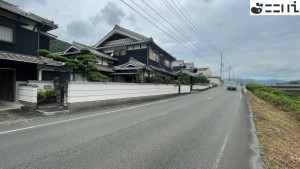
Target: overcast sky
column 254, row 46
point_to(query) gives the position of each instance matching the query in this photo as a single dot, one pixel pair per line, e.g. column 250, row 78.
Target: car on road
column 231, row 85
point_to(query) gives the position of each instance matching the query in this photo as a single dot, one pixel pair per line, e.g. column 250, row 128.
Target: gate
column 7, row 84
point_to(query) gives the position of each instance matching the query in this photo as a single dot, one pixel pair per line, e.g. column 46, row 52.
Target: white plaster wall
column 96, row 91
column 78, row 77
column 28, row 94
column 199, row 87
column 214, row 80
column 185, row 89
column 41, row 84
column 17, row 90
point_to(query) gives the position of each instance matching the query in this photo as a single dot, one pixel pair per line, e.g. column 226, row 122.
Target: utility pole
column 229, row 74
column 221, row 67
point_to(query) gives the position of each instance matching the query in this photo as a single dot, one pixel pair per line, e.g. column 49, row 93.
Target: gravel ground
column 10, row 117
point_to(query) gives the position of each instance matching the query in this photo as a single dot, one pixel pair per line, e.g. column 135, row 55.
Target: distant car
column 231, row 85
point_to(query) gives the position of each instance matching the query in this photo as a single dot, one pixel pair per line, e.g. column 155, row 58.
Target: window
column 130, row 47
column 156, row 57
column 137, row 46
column 123, row 52
column 143, row 46
column 117, row 53
column 6, row 34
column 167, row 63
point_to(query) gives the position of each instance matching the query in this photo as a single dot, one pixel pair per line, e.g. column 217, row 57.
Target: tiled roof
column 15, row 9
column 93, row 51
column 132, row 64
column 139, row 36
column 103, row 68
column 118, row 29
column 28, row 59
column 162, row 70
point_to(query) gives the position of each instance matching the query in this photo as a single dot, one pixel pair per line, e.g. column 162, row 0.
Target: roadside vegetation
column 277, row 124
column 287, row 101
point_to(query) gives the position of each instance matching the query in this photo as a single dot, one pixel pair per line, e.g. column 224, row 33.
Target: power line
column 171, row 26
column 213, row 45
column 160, row 28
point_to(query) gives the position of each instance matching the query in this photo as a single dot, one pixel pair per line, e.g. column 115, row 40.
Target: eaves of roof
column 28, row 59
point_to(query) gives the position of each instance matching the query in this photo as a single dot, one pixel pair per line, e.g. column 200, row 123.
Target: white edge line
column 83, row 117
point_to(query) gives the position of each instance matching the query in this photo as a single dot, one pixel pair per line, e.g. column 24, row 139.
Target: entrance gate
column 7, row 84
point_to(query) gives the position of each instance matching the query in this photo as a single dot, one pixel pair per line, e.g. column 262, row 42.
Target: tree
column 139, row 78
column 83, row 63
column 184, row 79
column 201, row 79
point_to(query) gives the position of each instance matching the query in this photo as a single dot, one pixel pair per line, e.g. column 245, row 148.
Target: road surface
column 209, row 130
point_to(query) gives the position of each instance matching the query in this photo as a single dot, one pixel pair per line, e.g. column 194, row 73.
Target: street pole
column 221, row 67
column 229, row 74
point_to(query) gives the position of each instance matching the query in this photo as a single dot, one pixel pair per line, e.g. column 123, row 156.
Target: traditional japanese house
column 105, row 62
column 21, row 34
column 127, row 72
column 124, row 44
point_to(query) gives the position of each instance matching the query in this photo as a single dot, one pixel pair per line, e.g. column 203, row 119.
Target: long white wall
column 28, row 94
column 199, row 87
column 97, row 91
column 185, row 89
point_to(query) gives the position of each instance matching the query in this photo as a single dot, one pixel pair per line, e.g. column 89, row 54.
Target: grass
column 279, row 134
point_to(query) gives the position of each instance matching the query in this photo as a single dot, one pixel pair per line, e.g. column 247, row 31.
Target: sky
column 257, row 47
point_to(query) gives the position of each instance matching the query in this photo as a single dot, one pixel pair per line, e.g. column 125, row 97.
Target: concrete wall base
column 28, row 106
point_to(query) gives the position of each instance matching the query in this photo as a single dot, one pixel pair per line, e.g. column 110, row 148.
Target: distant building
column 215, row 80
column 190, row 67
column 178, row 65
column 204, row 71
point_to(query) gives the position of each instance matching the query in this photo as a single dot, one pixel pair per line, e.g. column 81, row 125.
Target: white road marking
column 93, row 115
column 216, row 164
column 209, row 98
column 84, row 117
column 240, row 95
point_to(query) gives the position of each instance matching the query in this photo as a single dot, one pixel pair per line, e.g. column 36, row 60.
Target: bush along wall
column 47, row 96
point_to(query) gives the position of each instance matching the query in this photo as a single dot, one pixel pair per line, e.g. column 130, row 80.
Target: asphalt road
column 209, row 130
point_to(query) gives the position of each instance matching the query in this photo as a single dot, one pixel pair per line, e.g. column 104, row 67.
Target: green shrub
column 176, row 82
column 43, row 52
column 61, row 59
column 85, row 51
column 167, row 80
column 277, row 97
column 46, row 96
column 41, row 95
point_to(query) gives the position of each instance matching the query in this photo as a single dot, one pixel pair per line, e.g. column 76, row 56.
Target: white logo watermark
column 274, row 7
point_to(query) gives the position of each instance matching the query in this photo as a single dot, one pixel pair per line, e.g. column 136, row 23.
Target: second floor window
column 167, row 63
column 156, row 56
column 116, row 53
column 123, row 52
column 6, row 34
